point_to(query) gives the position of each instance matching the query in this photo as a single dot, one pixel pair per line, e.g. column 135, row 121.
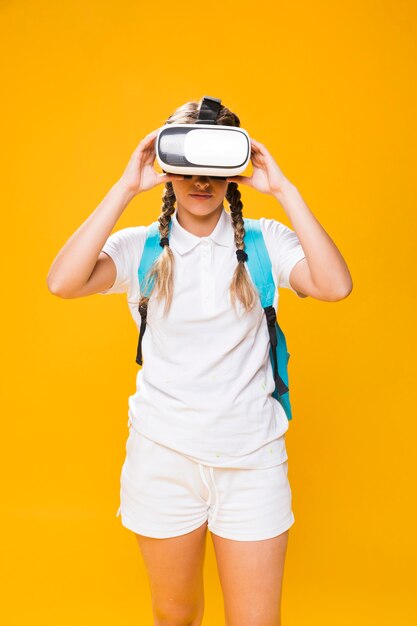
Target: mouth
column 200, row 195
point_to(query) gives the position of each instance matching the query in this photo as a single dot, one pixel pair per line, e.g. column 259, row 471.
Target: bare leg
column 251, row 576
column 175, row 571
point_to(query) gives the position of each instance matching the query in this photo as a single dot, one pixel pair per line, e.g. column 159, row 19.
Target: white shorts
column 165, row 494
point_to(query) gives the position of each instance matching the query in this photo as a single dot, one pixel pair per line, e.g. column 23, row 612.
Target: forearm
column 328, row 269
column 75, row 262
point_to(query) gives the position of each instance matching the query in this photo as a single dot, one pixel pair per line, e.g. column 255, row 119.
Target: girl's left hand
column 267, row 176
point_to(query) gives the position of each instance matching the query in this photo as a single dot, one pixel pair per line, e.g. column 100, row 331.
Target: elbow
column 52, row 287
column 51, row 284
column 54, row 291
column 57, row 290
column 342, row 292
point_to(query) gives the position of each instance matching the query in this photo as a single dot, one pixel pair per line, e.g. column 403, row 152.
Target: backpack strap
column 151, row 252
column 260, row 269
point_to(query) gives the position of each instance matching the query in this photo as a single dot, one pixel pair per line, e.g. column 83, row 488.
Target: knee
column 178, row 616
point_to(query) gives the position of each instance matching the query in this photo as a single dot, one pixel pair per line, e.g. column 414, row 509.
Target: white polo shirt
column 206, row 382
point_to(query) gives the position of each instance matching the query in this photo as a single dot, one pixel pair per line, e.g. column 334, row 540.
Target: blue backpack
column 260, row 269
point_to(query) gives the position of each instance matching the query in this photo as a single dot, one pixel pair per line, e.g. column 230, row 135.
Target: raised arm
column 80, row 268
column 78, row 260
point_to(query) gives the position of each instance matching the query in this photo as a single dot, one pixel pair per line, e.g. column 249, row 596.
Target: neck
column 199, row 225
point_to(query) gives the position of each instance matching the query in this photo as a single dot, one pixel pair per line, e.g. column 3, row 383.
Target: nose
column 202, row 183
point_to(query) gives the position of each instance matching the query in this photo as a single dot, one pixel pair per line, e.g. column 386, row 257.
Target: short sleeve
column 285, row 250
column 125, row 247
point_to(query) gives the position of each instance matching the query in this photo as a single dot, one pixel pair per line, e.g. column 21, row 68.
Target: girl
column 206, row 445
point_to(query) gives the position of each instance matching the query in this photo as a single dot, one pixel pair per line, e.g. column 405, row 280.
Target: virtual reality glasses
column 204, row 148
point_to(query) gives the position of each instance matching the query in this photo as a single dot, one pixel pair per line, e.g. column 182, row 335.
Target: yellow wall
column 329, row 88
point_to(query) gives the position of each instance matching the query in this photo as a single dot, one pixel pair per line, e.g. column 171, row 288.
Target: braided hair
column 162, row 270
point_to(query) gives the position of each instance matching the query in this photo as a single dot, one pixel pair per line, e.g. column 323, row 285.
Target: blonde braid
column 241, row 285
column 162, row 270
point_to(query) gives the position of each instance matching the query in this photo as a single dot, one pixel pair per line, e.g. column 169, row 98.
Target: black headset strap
column 208, row 111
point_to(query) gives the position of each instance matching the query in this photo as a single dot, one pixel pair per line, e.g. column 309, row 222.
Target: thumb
column 245, row 180
column 169, row 177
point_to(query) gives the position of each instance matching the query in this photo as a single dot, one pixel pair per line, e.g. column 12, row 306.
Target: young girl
column 206, row 445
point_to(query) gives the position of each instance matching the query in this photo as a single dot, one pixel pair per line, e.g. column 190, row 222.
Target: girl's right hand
column 139, row 174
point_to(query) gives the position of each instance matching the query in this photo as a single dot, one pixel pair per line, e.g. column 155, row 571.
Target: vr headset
column 203, row 148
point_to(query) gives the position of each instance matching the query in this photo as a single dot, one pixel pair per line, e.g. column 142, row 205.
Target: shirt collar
column 183, row 241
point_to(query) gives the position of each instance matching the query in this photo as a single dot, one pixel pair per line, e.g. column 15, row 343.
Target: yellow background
column 329, row 88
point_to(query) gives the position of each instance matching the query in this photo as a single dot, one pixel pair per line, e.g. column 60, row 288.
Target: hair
column 161, row 272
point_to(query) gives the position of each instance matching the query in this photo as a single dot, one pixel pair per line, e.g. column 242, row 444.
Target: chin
column 207, row 206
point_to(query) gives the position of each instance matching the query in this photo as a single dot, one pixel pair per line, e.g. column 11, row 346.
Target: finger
column 148, row 139
column 245, row 180
column 163, row 178
column 168, row 177
column 257, row 146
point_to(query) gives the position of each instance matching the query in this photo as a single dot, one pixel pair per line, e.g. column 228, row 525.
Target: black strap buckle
column 271, row 318
column 143, row 312
column 209, row 110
